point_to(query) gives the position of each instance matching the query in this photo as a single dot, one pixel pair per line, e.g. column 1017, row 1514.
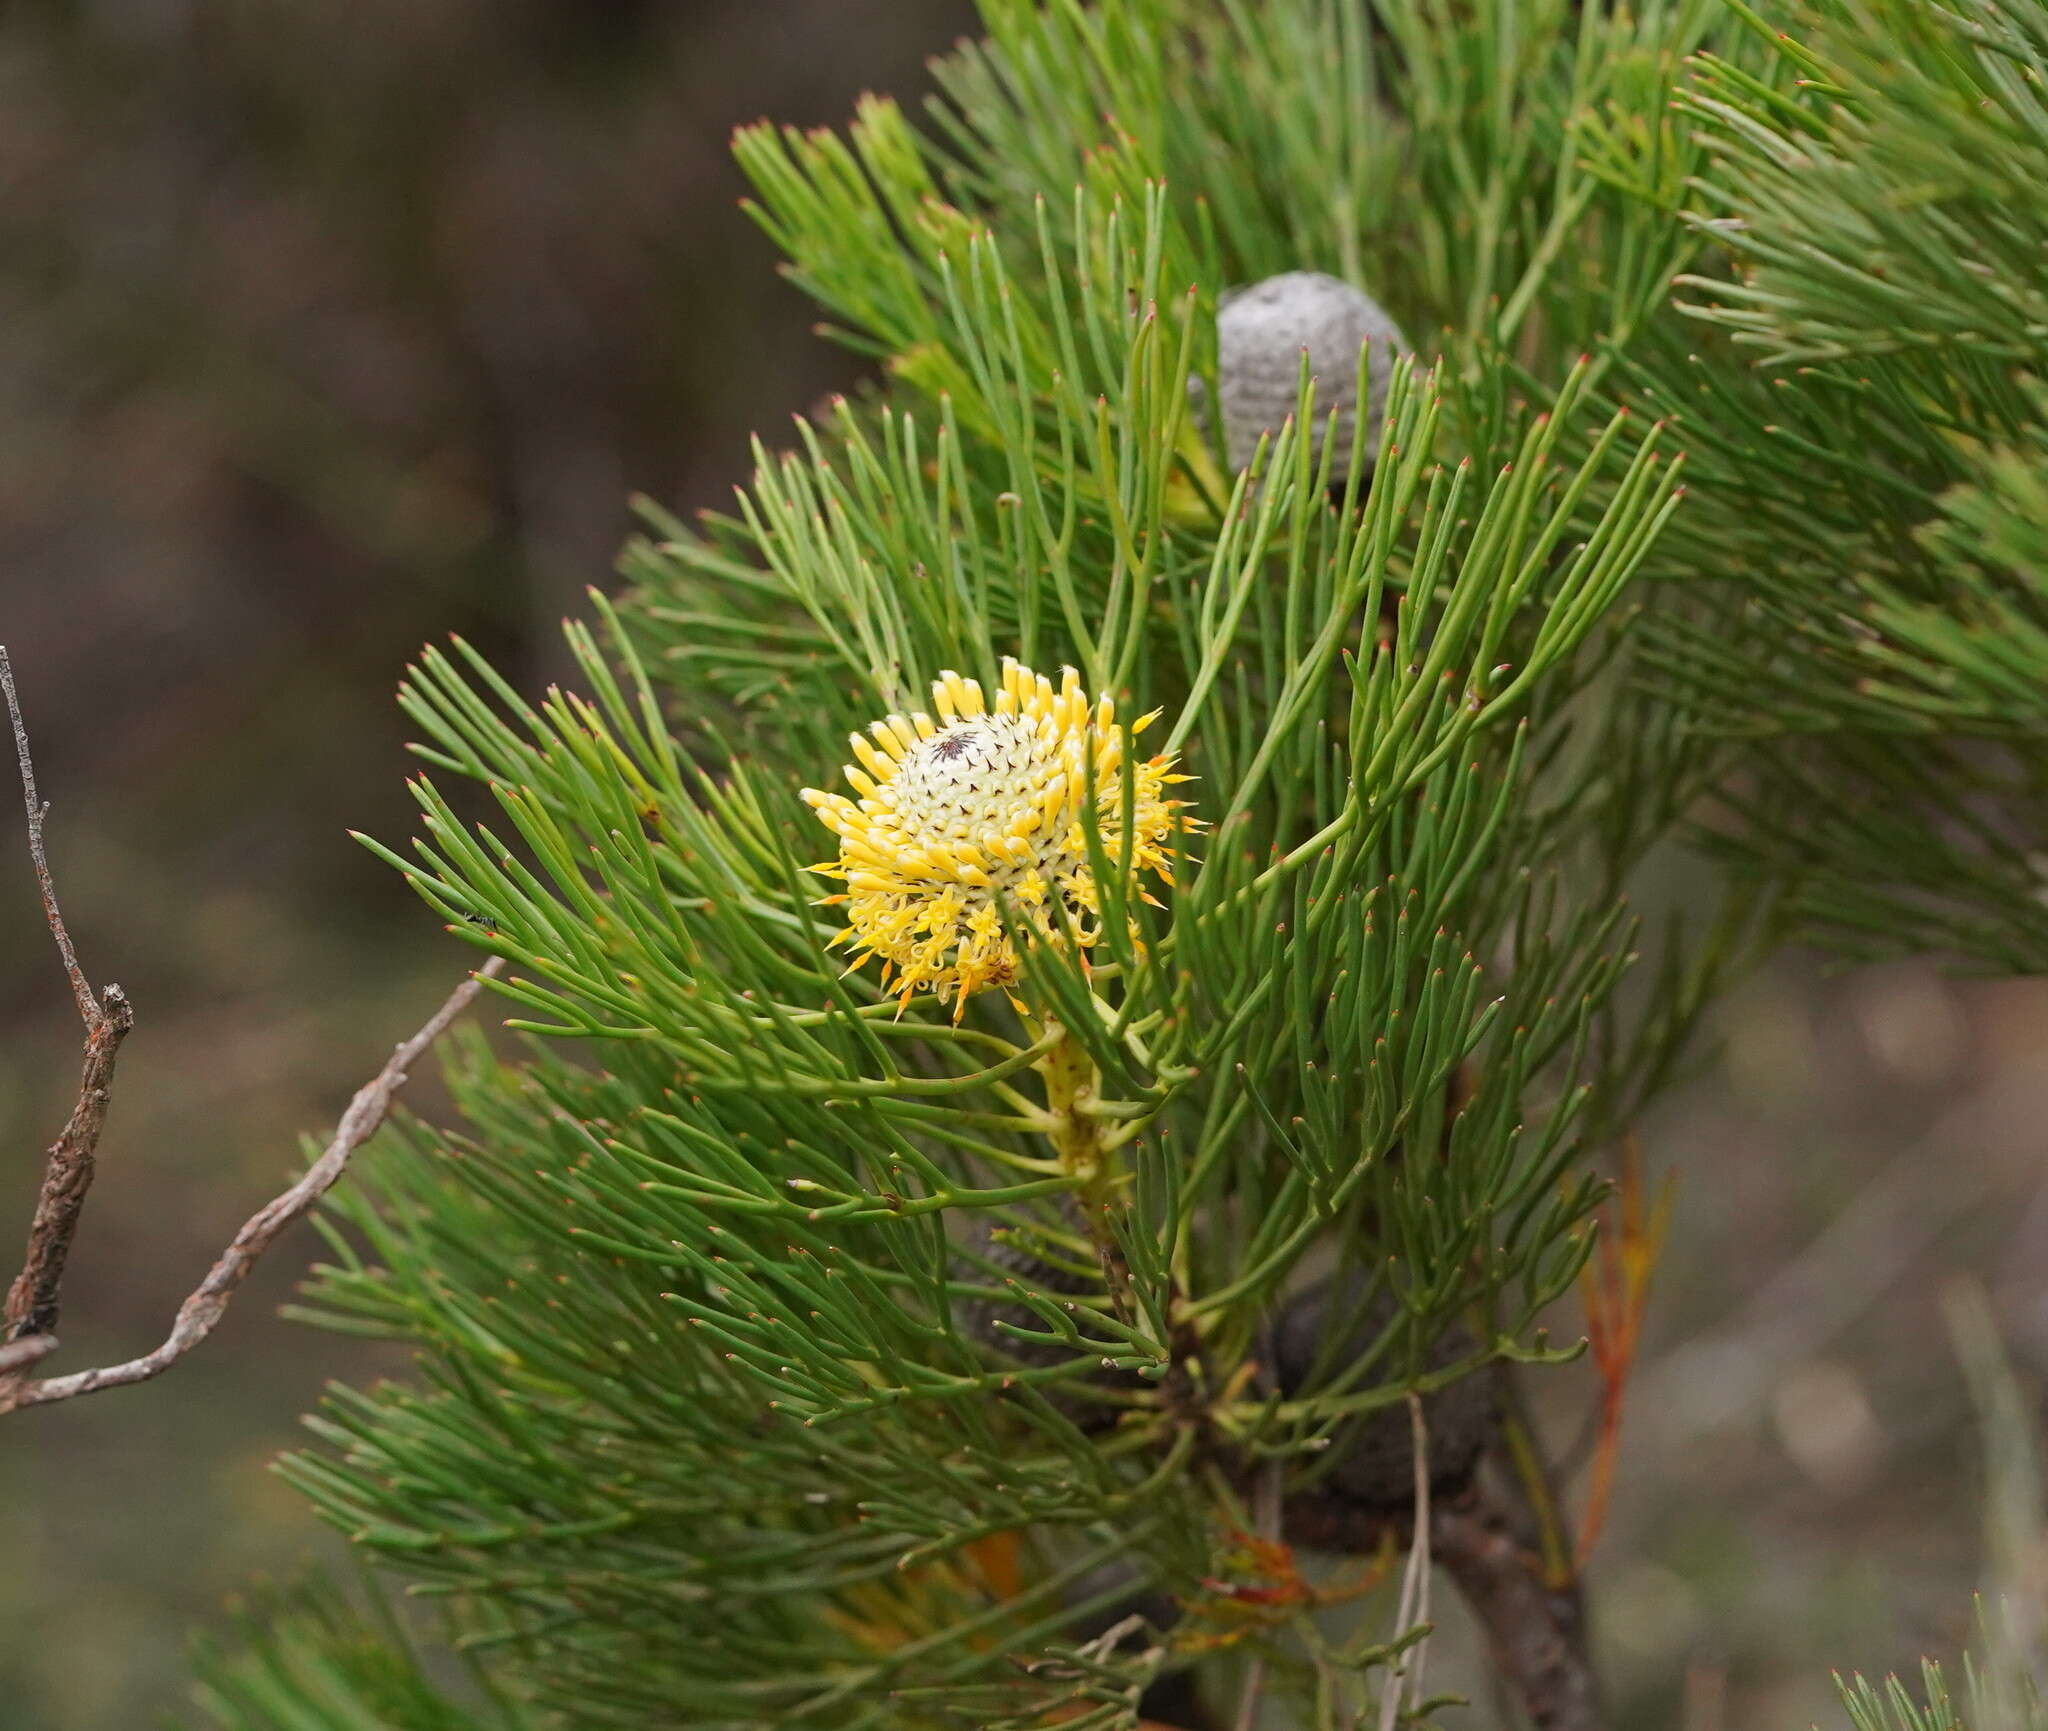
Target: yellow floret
column 981, row 804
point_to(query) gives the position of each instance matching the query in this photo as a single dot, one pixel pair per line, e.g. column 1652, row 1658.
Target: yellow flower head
column 979, row 804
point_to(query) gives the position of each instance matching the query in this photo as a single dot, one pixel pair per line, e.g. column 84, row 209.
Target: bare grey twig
column 1268, row 1504
column 30, row 1313
column 31, row 1307
column 19, row 1354
column 1413, row 1610
column 199, row 1314
column 88, row 1010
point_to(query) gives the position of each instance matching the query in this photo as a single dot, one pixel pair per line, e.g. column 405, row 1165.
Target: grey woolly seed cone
column 978, row 1318
column 1260, row 333
column 1326, row 1327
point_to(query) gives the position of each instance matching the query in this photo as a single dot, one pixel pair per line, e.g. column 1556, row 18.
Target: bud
column 1260, row 334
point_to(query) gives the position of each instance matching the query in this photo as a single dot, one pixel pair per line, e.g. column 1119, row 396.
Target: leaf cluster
column 1861, row 600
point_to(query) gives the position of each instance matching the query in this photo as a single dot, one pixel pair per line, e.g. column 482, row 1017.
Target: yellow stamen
column 986, row 803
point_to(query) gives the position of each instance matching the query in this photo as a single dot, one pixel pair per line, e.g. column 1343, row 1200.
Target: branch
column 199, row 1313
column 1268, row 1503
column 1487, row 1544
column 20, row 1354
column 67, row 1176
column 1413, row 1610
column 1536, row 1632
column 31, row 1307
column 87, row 1009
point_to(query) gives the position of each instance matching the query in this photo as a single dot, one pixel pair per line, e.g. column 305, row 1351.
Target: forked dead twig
column 199, row 1314
column 30, row 1314
column 31, row 1307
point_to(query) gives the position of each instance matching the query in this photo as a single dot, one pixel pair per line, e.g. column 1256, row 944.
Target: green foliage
column 1893, row 1707
column 1865, row 418
column 731, row 1243
column 317, row 1659
column 710, row 1424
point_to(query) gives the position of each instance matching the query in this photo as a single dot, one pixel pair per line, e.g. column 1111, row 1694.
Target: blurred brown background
column 329, row 328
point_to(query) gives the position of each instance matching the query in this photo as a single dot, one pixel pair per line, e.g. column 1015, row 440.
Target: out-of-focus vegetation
column 1802, row 1486
column 332, row 328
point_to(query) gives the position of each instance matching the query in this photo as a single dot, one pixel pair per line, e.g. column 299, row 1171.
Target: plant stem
column 1072, row 1085
column 1535, row 1631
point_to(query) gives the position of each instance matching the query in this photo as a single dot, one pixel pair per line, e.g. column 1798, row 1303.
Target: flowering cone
column 958, row 812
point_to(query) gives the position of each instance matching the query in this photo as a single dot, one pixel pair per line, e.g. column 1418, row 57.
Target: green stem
column 1073, row 1092
column 1072, row 1088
